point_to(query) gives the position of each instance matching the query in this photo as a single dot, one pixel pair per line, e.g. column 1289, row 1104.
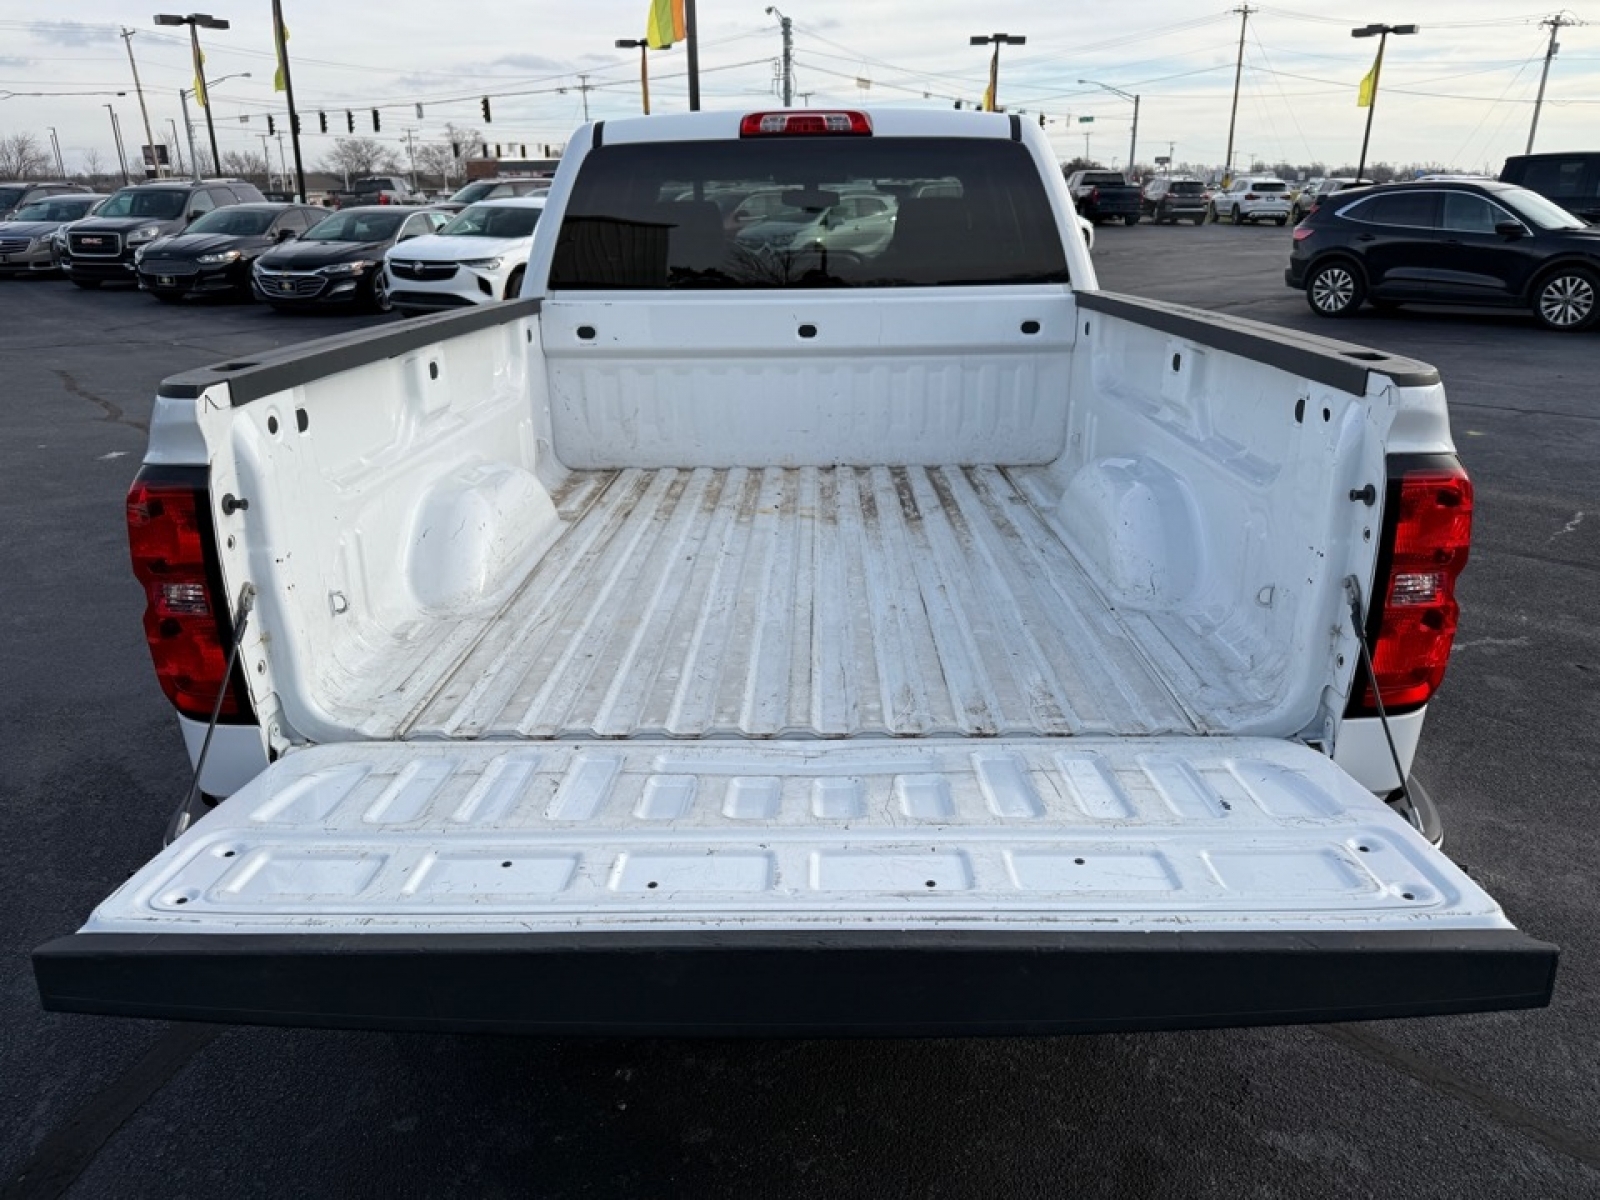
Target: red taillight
column 1301, row 233
column 1432, row 533
column 1251, row 196
column 169, row 540
column 1094, row 195
column 773, row 124
column 383, row 197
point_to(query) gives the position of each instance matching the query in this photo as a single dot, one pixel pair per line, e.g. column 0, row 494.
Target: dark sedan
column 1479, row 244
column 341, row 260
column 216, row 252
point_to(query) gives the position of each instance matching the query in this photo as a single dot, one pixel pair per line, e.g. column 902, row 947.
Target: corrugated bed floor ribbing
column 834, row 602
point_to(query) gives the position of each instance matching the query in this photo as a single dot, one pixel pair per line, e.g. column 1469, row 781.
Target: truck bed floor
column 835, row 602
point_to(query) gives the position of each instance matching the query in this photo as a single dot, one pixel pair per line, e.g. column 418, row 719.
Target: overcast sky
column 1459, row 93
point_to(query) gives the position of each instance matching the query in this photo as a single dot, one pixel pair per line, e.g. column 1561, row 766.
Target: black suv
column 1480, row 244
column 102, row 247
column 15, row 194
column 1571, row 180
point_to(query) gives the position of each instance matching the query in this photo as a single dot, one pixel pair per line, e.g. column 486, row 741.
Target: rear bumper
column 842, row 983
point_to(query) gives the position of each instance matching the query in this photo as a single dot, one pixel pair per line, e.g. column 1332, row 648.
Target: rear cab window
column 807, row 212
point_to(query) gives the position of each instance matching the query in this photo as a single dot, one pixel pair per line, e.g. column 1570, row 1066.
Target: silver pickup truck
column 720, row 639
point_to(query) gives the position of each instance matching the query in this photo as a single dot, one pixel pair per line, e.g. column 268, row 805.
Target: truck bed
column 835, row 602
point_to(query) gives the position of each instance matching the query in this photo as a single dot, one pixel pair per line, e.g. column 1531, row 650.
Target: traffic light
column 486, row 117
column 349, row 121
column 497, row 150
column 1041, row 120
column 524, row 149
column 958, row 104
column 455, row 149
column 377, row 125
column 272, row 129
column 294, row 123
column 322, row 121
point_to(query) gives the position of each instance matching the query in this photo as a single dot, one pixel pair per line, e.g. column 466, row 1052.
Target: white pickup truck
column 909, row 641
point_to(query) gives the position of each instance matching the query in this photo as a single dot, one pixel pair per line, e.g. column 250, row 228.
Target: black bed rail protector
column 253, row 376
column 794, row 983
column 1340, row 365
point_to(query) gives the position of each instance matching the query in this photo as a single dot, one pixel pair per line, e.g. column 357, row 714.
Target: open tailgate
column 938, row 887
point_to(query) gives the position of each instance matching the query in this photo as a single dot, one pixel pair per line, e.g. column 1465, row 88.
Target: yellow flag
column 994, row 71
column 665, row 25
column 200, row 78
column 282, row 47
column 1369, row 82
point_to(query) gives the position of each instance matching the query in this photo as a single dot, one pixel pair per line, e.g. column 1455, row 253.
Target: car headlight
column 346, row 268
column 138, row 254
column 227, row 256
column 40, row 243
column 482, row 264
column 148, row 234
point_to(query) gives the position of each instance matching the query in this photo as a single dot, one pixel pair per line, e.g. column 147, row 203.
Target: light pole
column 195, row 22
column 55, row 142
column 992, row 96
column 643, row 45
column 1381, row 32
column 183, row 99
column 177, row 146
column 1133, row 140
column 116, row 132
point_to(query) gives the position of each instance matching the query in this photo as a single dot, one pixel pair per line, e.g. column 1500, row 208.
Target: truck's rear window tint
column 808, row 212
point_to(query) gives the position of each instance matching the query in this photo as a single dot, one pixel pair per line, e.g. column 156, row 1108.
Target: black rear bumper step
column 794, row 983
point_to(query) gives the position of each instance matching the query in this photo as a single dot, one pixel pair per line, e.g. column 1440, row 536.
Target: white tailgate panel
column 1129, row 834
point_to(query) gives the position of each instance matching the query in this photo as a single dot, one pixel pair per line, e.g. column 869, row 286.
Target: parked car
column 1252, row 199
column 378, row 189
column 1172, row 198
column 215, row 253
column 27, row 240
column 1318, row 190
column 1487, row 244
column 494, row 189
column 479, row 257
column 16, row 193
column 341, row 260
column 847, row 224
column 1571, row 180
column 101, row 248
column 1104, row 196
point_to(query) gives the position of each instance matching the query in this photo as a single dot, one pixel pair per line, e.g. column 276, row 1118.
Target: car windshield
column 1538, row 211
column 473, row 192
column 234, row 222
column 160, row 205
column 356, row 227
column 493, row 220
column 856, row 212
column 55, row 210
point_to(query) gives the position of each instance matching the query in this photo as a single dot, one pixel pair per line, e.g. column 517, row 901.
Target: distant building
column 527, row 168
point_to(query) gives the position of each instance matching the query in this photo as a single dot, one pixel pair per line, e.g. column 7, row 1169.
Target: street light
column 195, row 22
column 116, row 132
column 643, row 45
column 992, row 96
column 183, row 99
column 1133, row 141
column 1381, row 32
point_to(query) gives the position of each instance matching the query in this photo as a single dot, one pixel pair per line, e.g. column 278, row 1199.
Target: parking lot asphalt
column 91, row 766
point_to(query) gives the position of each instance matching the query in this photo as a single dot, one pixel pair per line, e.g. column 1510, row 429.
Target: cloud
column 531, row 62
column 70, row 33
column 13, row 62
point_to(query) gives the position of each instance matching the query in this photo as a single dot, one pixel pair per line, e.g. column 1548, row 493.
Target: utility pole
column 1238, row 71
column 194, row 155
column 61, row 167
column 1557, row 23
column 116, row 132
column 787, row 26
column 149, row 138
column 411, row 153
column 585, row 87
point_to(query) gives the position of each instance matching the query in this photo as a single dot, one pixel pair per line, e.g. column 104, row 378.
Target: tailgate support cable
column 241, row 618
column 1358, row 622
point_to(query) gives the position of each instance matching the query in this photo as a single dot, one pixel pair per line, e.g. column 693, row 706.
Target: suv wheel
column 1334, row 289
column 1568, row 299
column 1237, row 217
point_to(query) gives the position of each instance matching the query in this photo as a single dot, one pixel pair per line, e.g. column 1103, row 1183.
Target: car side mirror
column 1510, row 229
column 406, row 237
column 285, row 235
column 195, row 215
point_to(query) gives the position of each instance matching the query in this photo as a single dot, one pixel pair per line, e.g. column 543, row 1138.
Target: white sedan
column 478, row 258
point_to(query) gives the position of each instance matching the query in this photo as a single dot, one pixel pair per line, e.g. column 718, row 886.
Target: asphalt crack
column 1444, row 1082
column 113, row 413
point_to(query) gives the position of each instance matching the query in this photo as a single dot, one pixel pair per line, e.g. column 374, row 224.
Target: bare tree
column 362, row 156
column 23, row 157
column 246, row 164
column 447, row 160
column 94, row 167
